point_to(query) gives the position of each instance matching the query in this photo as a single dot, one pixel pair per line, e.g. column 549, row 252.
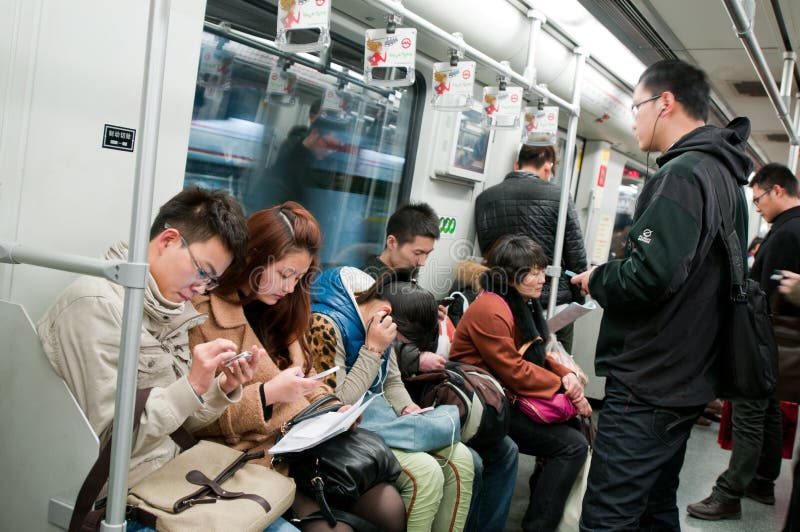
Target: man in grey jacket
column 196, row 236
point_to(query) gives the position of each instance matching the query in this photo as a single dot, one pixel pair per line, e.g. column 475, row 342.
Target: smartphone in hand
column 446, row 302
column 246, row 355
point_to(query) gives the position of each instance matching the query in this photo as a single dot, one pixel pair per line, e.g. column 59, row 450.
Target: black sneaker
column 711, row 509
column 762, row 491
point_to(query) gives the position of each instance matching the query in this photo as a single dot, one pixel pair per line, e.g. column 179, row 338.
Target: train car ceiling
column 605, row 103
column 656, row 30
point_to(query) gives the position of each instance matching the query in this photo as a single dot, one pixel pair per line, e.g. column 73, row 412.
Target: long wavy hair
column 274, row 234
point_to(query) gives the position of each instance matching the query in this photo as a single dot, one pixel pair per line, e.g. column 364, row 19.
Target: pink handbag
column 555, row 410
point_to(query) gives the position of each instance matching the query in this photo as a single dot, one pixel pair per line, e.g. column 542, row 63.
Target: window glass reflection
column 267, row 130
column 472, row 142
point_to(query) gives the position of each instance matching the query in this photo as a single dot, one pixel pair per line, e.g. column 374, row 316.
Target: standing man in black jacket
column 527, row 203
column 663, row 302
column 755, row 460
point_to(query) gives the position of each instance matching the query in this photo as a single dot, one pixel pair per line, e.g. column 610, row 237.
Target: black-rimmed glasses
column 206, row 279
column 635, row 106
column 756, row 199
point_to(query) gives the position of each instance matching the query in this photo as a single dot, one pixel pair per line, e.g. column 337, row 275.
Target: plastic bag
column 557, row 353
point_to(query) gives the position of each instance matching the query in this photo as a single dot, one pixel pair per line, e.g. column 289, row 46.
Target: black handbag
column 748, row 350
column 339, row 470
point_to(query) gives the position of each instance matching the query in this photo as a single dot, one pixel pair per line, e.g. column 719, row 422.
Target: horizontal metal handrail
column 128, row 274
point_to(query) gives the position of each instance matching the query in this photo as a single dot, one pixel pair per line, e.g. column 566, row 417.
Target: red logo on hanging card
column 466, row 74
column 320, row 3
column 406, row 43
column 514, row 98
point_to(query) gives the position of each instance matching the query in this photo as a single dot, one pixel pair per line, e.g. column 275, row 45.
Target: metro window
column 264, row 150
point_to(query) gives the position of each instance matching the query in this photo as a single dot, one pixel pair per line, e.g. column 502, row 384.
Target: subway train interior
column 107, row 109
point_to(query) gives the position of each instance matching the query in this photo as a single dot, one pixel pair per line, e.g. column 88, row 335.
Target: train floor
column 705, row 460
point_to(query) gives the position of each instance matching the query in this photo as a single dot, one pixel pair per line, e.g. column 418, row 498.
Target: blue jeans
column 638, row 454
column 493, row 486
column 281, row 525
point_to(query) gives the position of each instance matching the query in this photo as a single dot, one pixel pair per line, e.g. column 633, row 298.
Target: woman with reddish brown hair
column 267, row 303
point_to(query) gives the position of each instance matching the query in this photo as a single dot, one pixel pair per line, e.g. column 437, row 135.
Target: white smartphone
column 243, row 355
column 325, row 373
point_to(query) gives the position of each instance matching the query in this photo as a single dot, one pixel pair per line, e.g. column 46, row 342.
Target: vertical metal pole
column 789, row 59
column 537, row 19
column 794, row 149
column 150, row 112
column 572, row 132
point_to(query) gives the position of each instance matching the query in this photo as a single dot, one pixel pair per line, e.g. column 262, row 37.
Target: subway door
column 596, row 203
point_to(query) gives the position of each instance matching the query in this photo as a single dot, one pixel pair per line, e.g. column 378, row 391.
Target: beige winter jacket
column 81, row 336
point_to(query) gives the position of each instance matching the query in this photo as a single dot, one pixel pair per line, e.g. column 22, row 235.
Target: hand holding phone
column 777, row 275
column 246, row 355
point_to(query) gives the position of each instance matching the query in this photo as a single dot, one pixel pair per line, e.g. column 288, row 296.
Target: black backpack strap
column 728, row 235
column 83, row 517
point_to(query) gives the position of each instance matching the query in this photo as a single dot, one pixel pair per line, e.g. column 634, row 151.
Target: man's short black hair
column 536, row 156
column 775, row 174
column 411, row 221
column 688, row 83
column 201, row 214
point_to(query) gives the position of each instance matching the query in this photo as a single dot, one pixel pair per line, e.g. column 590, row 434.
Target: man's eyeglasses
column 756, row 199
column 205, row 278
column 635, row 106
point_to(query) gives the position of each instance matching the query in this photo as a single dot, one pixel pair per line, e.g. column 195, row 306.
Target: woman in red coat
column 505, row 316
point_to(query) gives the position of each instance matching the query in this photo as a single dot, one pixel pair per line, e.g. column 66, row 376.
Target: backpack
column 481, row 401
column 748, row 356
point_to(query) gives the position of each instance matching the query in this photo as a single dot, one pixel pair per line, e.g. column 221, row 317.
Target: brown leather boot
column 711, row 509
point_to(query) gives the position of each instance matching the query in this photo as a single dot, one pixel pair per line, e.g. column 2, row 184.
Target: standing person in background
column 663, row 302
column 267, row 303
column 790, row 289
column 755, row 460
column 527, row 203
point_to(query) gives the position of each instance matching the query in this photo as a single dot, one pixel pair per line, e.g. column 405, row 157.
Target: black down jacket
column 525, row 204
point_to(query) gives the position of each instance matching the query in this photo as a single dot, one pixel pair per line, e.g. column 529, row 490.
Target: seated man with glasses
column 197, row 235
